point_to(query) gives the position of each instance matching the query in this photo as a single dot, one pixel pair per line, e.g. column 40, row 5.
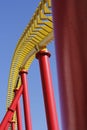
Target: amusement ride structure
column 32, row 43
column 70, row 29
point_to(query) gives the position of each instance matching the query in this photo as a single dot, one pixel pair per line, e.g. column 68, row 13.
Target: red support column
column 70, row 32
column 28, row 124
column 50, row 105
column 18, row 113
column 13, row 125
column 11, row 109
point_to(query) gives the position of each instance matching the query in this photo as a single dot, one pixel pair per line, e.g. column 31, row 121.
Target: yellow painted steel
column 38, row 33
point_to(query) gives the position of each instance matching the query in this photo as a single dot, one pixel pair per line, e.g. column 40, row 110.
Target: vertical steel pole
column 13, row 125
column 70, row 32
column 28, row 124
column 50, row 105
column 18, row 113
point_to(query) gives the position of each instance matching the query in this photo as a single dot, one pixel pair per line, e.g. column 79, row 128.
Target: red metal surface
column 13, row 125
column 70, row 31
column 27, row 114
column 7, row 126
column 18, row 113
column 10, row 112
column 50, row 106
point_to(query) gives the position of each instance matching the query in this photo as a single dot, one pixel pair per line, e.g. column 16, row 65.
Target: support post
column 50, row 105
column 18, row 113
column 70, row 34
column 28, row 124
column 13, row 125
column 11, row 109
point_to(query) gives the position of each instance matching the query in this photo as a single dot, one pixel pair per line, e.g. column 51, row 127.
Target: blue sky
column 14, row 16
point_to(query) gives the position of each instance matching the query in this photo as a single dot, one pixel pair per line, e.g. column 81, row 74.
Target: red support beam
column 11, row 109
column 19, row 119
column 70, row 32
column 28, row 124
column 50, row 105
column 13, row 125
column 18, row 113
column 7, row 126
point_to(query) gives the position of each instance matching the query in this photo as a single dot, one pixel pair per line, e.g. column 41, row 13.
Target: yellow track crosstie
column 38, row 33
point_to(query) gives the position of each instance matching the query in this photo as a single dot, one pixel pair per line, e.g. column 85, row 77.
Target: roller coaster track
column 38, row 33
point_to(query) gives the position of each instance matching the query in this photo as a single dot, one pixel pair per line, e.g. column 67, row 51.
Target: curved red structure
column 70, row 29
